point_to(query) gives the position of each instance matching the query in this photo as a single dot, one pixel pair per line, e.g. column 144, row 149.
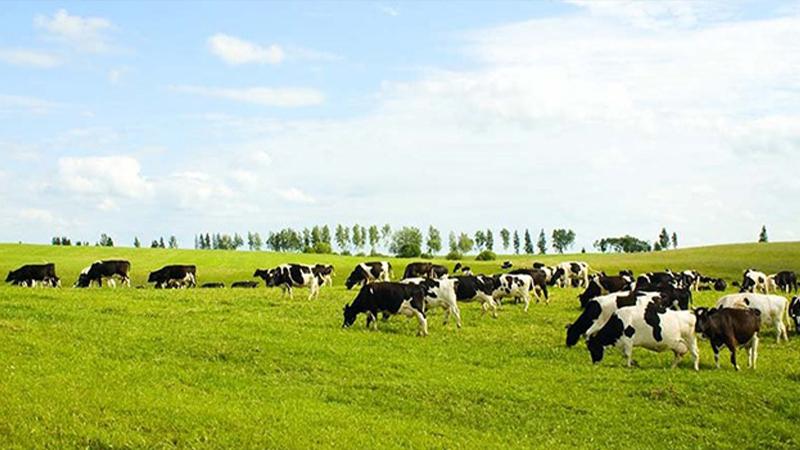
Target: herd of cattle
column 624, row 311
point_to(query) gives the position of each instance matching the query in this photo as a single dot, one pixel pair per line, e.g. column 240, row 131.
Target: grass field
column 131, row 368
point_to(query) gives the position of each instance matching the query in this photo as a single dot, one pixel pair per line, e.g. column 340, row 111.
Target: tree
column 541, row 243
column 762, row 237
column 516, row 242
column 663, row 240
column 434, row 242
column 480, row 239
column 257, row 242
column 326, row 235
column 407, row 242
column 136, row 242
column 374, row 238
column 161, row 242
column 342, row 238
column 386, row 234
column 505, row 237
column 563, row 239
column 452, row 242
column 56, row 241
column 465, row 243
column 105, row 241
column 359, row 237
column 154, row 244
column 489, row 240
column 624, row 244
column 528, row 243
column 674, row 240
column 306, row 238
column 173, row 242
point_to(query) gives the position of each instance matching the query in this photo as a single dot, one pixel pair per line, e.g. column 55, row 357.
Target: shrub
column 454, row 255
column 426, row 256
column 486, row 255
column 407, row 243
column 319, row 247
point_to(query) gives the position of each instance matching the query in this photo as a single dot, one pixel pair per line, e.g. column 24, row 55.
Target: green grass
column 249, row 368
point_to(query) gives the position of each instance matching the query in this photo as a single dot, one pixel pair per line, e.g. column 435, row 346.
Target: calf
column 772, row 309
column 730, row 327
column 753, row 280
column 471, row 287
column 567, row 272
column 648, row 325
column 516, row 286
column 604, row 284
column 424, row 269
column 244, row 284
column 784, row 280
column 289, row 276
column 794, row 313
column 174, row 276
column 388, row 298
column 107, row 269
column 31, row 274
column 324, row 274
column 369, row 272
column 439, row 293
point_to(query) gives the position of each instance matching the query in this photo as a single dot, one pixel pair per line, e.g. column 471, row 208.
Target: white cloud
column 12, row 104
column 105, row 176
column 29, row 58
column 86, row 34
column 279, row 97
column 37, row 215
column 388, row 10
column 295, row 195
column 237, row 51
column 115, row 74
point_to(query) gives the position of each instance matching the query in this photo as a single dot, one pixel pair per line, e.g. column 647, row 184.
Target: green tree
column 663, row 240
column 434, row 242
column 358, row 238
column 528, row 242
column 541, row 244
column 326, row 234
column 762, row 237
column 136, row 242
column 407, row 243
column 386, row 234
column 342, row 238
column 480, row 239
column 563, row 239
column 505, row 237
column 465, row 243
column 452, row 242
column 516, row 242
column 374, row 238
column 173, row 242
column 257, row 242
column 674, row 240
column 489, row 240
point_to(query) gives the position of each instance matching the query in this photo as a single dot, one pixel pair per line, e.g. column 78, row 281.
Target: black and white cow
column 460, row 269
column 439, row 293
column 471, row 287
column 549, row 272
column 506, row 265
column 324, row 273
column 604, row 284
column 784, row 280
column 539, row 278
column 369, row 272
column 657, row 278
column 753, row 281
column 689, row 279
column 388, row 298
column 30, row 275
column 424, row 269
column 174, row 276
column 794, row 313
column 107, row 269
column 515, row 286
column 569, row 271
column 288, row 276
column 672, row 297
column 244, row 284
column 599, row 309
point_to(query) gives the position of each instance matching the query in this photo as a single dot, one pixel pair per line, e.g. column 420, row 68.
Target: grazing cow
column 289, row 276
column 439, row 293
column 648, row 325
column 599, row 309
column 707, row 283
column 672, row 297
column 424, row 269
column 471, row 287
column 324, row 273
column 388, row 298
column 174, row 276
column 753, row 280
column 506, row 265
column 244, row 284
column 548, row 272
column 369, row 272
column 730, row 327
column 604, row 284
column 516, row 286
column 214, row 285
column 567, row 273
column 794, row 313
column 107, row 269
column 31, row 274
column 773, row 309
column 784, row 280
column 689, row 279
column 539, row 278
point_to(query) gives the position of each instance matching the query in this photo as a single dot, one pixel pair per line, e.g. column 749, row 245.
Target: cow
column 471, row 287
column 689, row 279
column 599, row 309
column 424, row 269
column 649, row 325
column 784, row 280
column 708, row 283
column 571, row 271
column 772, row 308
column 753, row 280
column 369, row 272
column 31, row 274
column 213, row 285
column 244, row 284
column 657, row 278
column 794, row 313
column 516, row 286
column 462, row 270
column 174, row 276
column 548, row 272
column 324, row 273
column 506, row 265
column 439, row 293
column 289, row 276
column 604, row 284
column 107, row 269
column 539, row 278
column 730, row 327
column 671, row 296
column 389, row 298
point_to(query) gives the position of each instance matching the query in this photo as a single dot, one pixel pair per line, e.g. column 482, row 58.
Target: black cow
column 507, row 265
column 213, row 285
column 105, row 269
column 539, row 281
column 369, row 272
column 471, row 287
column 30, row 274
column 720, row 285
column 174, row 276
column 288, row 276
column 730, row 327
column 388, row 298
column 604, row 284
column 244, row 284
column 785, row 280
column 425, row 270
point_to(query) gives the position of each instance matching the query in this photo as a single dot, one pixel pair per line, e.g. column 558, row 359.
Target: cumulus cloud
column 266, row 96
column 29, row 58
column 88, row 34
column 105, row 176
column 236, row 51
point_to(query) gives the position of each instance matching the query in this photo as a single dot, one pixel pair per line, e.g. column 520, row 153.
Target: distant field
column 130, row 368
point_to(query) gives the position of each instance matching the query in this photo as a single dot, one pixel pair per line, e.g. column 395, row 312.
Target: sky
column 616, row 117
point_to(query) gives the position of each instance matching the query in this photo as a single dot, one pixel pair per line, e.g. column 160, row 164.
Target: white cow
column 753, row 280
column 439, row 293
column 773, row 309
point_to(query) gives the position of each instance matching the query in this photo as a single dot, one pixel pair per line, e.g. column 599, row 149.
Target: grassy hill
column 102, row 368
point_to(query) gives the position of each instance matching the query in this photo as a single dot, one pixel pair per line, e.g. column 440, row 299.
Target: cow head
column 583, row 323
column 703, row 315
column 10, row 276
column 261, row 273
column 272, row 277
column 606, row 336
column 82, row 281
column 350, row 314
column 794, row 312
column 356, row 276
column 559, row 272
column 153, row 277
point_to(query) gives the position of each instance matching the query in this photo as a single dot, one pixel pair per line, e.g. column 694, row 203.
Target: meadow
column 133, row 368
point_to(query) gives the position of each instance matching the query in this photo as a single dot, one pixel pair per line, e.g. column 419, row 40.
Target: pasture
column 225, row 368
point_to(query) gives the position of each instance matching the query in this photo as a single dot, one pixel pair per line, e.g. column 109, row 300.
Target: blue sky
column 150, row 119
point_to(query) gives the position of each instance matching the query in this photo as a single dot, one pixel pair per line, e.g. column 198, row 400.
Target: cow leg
column 752, row 352
column 456, row 312
column 423, row 323
column 527, row 299
column 112, row 283
column 731, row 344
column 695, row 352
column 781, row 329
column 715, row 347
column 371, row 320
